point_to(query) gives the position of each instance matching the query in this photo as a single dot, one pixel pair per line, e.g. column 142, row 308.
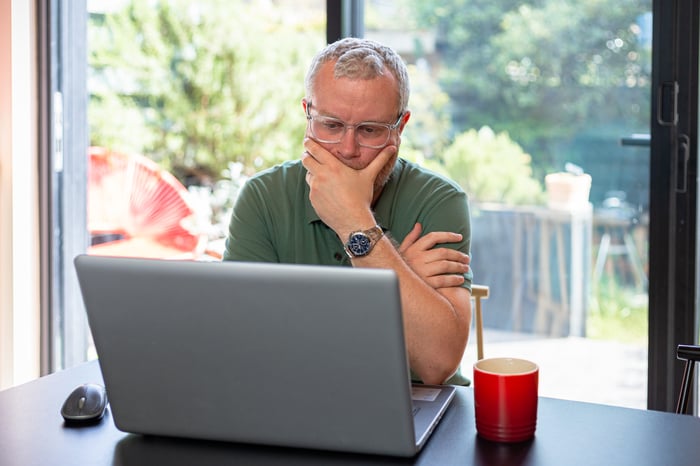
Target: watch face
column 359, row 244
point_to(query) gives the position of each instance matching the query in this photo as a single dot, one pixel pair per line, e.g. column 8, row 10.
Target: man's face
column 353, row 102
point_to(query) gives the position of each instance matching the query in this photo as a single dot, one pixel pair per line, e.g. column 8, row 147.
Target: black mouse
column 86, row 403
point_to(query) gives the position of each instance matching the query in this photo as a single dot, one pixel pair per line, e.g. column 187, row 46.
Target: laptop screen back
column 289, row 355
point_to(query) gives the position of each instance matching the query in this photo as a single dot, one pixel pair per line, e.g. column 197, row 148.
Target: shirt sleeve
column 249, row 237
column 450, row 212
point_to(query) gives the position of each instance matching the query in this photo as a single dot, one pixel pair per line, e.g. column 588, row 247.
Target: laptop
column 273, row 354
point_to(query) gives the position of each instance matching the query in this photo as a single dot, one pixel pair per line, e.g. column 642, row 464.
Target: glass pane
column 187, row 99
column 540, row 111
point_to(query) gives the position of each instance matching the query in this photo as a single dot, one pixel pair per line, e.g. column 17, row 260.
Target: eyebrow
column 313, row 106
column 379, row 122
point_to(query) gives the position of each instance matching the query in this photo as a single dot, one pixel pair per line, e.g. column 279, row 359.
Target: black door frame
column 673, row 204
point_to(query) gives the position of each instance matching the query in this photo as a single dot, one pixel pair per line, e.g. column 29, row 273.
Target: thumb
column 375, row 167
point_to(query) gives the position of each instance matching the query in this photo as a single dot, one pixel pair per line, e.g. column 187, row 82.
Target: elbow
column 437, row 380
column 438, row 374
column 445, row 366
column 437, row 377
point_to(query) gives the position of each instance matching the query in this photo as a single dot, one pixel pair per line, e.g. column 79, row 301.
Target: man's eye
column 370, row 130
column 332, row 125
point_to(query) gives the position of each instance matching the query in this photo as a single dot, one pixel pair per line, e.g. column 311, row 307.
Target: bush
column 492, row 168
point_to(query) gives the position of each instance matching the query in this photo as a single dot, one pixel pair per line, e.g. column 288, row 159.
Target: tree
column 427, row 133
column 191, row 85
column 542, row 70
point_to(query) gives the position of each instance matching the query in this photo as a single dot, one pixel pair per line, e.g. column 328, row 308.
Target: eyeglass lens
column 331, row 130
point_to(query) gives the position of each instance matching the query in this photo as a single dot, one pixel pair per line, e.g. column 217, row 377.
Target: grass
column 618, row 313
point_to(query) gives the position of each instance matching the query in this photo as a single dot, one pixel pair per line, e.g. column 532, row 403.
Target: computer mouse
column 86, row 403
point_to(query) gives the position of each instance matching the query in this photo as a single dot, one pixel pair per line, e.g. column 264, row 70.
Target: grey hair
column 361, row 59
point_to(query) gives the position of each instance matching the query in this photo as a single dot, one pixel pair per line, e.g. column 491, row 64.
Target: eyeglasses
column 367, row 134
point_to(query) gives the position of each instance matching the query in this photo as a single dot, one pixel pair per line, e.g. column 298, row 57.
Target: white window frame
column 19, row 230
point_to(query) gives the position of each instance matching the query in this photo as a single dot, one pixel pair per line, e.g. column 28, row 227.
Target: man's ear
column 404, row 120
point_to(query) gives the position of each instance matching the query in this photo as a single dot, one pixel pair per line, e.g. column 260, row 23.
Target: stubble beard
column 383, row 176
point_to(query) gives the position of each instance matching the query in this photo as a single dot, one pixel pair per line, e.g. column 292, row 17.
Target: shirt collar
column 309, row 212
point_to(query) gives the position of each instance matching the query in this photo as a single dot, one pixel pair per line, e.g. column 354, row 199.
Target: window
column 508, row 91
column 526, row 106
column 185, row 99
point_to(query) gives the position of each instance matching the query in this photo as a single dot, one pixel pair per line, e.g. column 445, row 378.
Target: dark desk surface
column 32, row 432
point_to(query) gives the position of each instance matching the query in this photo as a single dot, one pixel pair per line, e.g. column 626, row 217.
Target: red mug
column 505, row 399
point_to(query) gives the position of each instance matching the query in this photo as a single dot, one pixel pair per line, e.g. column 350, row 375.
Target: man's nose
column 348, row 143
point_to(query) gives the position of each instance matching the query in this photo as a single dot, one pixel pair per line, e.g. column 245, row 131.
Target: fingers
column 414, row 247
column 314, row 158
column 316, row 155
column 444, row 274
column 455, row 264
column 411, row 237
column 430, row 240
column 313, row 155
column 317, row 152
column 447, row 255
column 445, row 281
column 439, row 267
column 434, row 238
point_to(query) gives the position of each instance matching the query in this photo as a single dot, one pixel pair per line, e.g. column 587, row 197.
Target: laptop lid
column 287, row 355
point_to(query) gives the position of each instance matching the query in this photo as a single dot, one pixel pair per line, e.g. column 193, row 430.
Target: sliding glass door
column 573, row 131
column 541, row 112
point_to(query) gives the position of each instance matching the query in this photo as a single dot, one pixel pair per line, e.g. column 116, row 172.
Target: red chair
column 137, row 209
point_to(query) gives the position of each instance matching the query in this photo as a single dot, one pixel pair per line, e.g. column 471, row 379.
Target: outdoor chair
column 479, row 292
column 690, row 354
column 138, row 209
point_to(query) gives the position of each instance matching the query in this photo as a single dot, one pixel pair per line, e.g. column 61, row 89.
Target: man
column 351, row 201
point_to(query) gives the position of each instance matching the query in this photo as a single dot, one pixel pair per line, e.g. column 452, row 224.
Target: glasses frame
column 389, row 126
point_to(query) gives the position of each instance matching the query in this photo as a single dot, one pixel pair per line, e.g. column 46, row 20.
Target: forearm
column 436, row 322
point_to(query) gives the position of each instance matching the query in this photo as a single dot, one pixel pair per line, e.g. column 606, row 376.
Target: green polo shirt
column 274, row 221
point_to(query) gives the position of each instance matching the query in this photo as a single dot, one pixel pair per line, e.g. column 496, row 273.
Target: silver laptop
column 285, row 355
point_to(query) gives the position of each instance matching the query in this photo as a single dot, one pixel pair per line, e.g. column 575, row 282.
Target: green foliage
column 564, row 80
column 205, row 84
column 617, row 313
column 428, row 129
column 542, row 70
column 492, row 168
column 200, row 84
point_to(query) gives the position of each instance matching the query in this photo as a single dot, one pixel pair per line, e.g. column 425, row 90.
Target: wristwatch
column 361, row 242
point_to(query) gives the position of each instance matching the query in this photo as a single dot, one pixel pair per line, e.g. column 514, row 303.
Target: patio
column 575, row 368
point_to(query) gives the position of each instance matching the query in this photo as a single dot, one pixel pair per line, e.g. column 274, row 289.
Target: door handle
column 641, row 140
column 667, row 89
column 682, row 156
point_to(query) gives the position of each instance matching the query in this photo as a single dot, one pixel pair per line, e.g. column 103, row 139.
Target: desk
column 568, row 433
